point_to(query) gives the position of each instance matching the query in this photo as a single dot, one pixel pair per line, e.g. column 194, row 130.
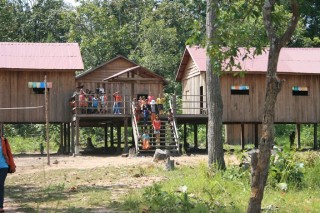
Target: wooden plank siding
column 289, row 108
column 130, row 84
column 15, row 93
column 191, row 82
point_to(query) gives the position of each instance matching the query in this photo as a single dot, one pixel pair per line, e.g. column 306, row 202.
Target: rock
column 160, row 155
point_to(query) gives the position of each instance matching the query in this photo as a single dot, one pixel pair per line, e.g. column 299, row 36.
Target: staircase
column 168, row 136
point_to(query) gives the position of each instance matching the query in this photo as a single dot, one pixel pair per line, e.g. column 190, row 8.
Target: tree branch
column 292, row 24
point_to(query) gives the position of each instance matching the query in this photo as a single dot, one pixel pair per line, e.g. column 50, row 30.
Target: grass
column 185, row 189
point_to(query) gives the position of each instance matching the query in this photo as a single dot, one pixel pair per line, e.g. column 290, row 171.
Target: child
column 156, row 126
column 145, row 140
column 145, row 112
column 95, row 103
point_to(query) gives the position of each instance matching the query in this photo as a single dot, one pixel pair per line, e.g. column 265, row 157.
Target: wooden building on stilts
column 23, row 68
column 243, row 95
column 130, row 81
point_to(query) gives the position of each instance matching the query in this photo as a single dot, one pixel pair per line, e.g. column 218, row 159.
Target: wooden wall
column 249, row 108
column 289, row 108
column 94, row 79
column 15, row 93
column 128, row 88
column 191, row 83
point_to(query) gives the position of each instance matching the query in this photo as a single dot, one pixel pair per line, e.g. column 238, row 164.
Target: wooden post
column 185, row 136
column 105, row 137
column 315, row 136
column 61, row 144
column 256, row 136
column 242, row 137
column 206, row 137
column 47, row 118
column 195, row 135
column 298, row 127
column 126, row 148
column 119, row 138
column 65, row 137
column 111, row 135
column 77, row 142
column 68, row 138
column 72, row 136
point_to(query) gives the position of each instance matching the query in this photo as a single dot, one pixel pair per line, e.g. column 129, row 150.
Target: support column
column 298, row 127
column 65, row 144
column 72, row 136
column 256, row 136
column 77, row 142
column 315, row 136
column 118, row 138
column 61, row 144
column 206, row 137
column 195, row 135
column 185, row 137
column 68, row 138
column 242, row 137
column 105, row 137
column 125, row 129
column 112, row 136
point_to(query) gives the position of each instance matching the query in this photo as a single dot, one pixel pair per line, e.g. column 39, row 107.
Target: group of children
column 92, row 103
column 148, row 107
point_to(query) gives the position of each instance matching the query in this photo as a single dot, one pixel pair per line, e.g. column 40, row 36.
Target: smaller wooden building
column 243, row 97
column 118, row 74
column 121, row 74
column 23, row 67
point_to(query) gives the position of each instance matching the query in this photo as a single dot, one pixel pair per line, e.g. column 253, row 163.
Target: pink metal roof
column 44, row 56
column 291, row 60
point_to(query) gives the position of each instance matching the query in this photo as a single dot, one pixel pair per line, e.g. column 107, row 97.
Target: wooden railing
column 181, row 104
column 189, row 104
column 97, row 106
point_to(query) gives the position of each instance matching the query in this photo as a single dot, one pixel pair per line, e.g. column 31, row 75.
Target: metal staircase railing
column 136, row 134
column 175, row 131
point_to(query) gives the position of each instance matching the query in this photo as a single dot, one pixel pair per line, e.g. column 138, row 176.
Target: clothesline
column 36, row 107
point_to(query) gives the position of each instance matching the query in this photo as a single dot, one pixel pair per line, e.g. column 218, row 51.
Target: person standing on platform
column 117, row 102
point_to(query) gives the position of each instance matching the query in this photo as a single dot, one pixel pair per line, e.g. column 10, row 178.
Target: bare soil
column 31, row 164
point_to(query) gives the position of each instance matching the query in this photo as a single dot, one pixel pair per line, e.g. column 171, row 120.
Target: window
column 240, row 90
column 39, row 87
column 300, row 91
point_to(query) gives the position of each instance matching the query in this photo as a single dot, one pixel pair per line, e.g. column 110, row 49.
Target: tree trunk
column 260, row 161
column 214, row 98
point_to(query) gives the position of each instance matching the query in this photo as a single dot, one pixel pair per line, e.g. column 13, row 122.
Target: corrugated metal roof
column 291, row 60
column 44, row 56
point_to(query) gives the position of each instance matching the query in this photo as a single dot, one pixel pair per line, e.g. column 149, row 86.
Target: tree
column 260, row 161
column 214, row 98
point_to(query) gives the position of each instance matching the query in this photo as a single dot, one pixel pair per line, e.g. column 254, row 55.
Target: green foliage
column 286, row 168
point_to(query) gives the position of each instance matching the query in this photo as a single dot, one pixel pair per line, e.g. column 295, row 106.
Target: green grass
column 229, row 191
column 207, row 190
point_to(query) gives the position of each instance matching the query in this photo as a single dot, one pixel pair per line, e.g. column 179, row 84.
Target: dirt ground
column 31, row 164
column 36, row 163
